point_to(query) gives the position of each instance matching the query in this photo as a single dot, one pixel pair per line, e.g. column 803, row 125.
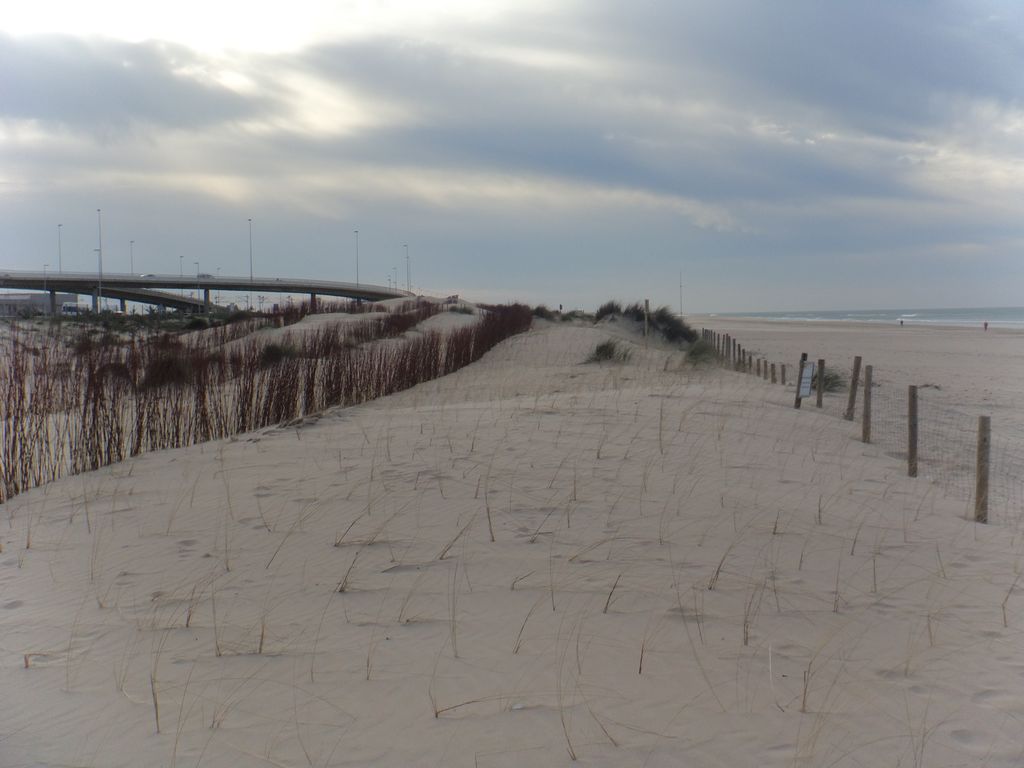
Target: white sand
column 961, row 374
column 980, row 370
column 310, row 324
column 444, row 322
column 446, row 648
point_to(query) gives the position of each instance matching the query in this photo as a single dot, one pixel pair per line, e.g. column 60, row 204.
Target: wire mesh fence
column 947, row 434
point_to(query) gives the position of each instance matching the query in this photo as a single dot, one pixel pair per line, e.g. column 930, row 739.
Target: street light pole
column 99, row 253
column 408, row 273
column 357, row 258
column 250, row 266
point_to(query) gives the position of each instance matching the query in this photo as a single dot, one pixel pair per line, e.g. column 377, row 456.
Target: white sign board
column 806, row 379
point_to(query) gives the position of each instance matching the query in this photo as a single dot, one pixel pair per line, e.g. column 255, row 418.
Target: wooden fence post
column 852, row 402
column 764, row 369
column 782, row 373
column 866, row 425
column 799, row 378
column 981, row 485
column 774, row 380
column 912, row 431
column 821, row 382
column 759, row 367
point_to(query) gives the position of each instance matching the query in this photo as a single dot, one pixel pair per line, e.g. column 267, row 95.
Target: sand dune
column 530, row 561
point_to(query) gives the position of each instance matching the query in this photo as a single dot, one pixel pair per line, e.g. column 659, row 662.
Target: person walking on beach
column 985, row 325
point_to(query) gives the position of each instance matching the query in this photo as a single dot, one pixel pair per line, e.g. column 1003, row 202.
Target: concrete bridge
column 151, row 288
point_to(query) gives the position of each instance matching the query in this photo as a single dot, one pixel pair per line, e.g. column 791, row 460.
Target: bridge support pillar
column 53, row 303
column 124, row 306
column 312, row 303
column 96, row 301
column 206, row 300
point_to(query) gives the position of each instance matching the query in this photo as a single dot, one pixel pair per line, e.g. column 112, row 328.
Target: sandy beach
column 533, row 561
column 972, row 368
column 960, row 373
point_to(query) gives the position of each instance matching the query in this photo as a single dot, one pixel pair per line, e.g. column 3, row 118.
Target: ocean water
column 996, row 317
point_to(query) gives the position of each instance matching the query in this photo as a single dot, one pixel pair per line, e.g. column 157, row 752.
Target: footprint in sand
column 964, row 737
column 994, row 697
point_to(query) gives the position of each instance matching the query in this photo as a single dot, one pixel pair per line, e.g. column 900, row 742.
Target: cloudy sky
column 778, row 155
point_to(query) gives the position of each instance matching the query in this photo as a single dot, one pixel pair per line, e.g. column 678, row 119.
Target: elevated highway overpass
column 156, row 289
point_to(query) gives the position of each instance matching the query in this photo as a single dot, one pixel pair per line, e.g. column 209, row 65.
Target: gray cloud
column 483, row 113
column 103, row 86
column 879, row 66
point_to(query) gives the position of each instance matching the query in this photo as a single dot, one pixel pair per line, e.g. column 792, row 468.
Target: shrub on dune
column 700, row 352
column 662, row 320
column 671, row 326
column 608, row 309
column 833, row 381
column 609, row 352
column 634, row 311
